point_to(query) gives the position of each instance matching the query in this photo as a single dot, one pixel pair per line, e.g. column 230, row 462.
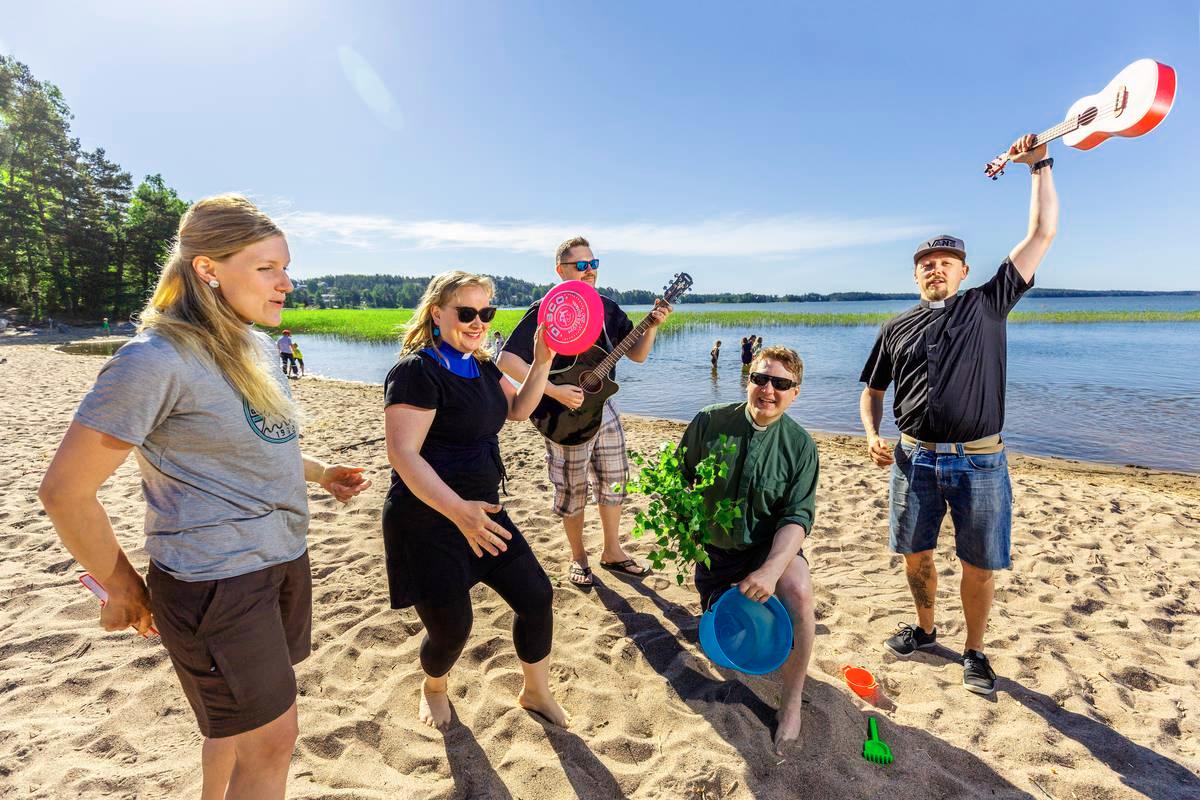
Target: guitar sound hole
column 590, row 383
column 1088, row 117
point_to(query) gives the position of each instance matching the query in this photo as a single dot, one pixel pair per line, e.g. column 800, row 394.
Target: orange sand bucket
column 861, row 682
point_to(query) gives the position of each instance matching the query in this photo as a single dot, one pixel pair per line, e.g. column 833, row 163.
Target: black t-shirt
column 462, row 444
column 948, row 361
column 616, row 327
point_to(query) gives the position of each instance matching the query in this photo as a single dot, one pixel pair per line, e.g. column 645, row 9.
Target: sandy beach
column 1095, row 634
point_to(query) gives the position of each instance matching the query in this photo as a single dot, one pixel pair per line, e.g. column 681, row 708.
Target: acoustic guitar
column 1132, row 104
column 590, row 372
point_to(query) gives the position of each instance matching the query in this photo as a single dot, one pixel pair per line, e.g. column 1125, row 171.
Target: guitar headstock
column 678, row 286
column 995, row 168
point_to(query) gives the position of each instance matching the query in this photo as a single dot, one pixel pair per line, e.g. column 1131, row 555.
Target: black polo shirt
column 948, row 360
column 616, row 327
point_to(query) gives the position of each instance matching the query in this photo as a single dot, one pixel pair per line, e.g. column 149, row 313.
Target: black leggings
column 523, row 585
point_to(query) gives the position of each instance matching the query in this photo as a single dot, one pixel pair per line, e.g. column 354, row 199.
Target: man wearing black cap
column 946, row 357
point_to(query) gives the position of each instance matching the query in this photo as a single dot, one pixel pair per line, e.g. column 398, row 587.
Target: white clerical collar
column 944, row 303
column 750, row 419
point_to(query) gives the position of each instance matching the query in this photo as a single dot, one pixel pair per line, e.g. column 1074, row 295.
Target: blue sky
column 778, row 148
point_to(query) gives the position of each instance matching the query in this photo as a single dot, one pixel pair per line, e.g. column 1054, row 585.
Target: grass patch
column 385, row 324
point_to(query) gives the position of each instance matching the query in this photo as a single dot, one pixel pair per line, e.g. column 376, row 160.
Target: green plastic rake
column 874, row 748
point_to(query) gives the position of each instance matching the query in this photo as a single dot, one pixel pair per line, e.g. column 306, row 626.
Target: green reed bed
column 385, row 324
column 369, row 324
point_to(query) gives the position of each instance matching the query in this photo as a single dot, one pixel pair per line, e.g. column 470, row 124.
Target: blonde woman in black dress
column 444, row 529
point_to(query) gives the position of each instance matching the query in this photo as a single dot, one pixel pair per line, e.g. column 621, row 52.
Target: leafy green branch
column 677, row 517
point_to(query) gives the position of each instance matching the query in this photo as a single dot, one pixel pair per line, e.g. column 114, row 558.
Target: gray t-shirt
column 224, row 487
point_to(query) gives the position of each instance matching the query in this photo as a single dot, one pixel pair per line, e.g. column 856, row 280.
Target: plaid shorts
column 596, row 465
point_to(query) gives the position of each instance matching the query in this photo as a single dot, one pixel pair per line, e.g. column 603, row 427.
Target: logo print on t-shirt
column 273, row 429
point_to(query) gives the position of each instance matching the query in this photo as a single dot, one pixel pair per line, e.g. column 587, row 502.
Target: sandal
column 626, row 567
column 580, row 576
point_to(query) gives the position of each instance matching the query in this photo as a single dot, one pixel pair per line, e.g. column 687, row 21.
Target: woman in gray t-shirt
column 199, row 397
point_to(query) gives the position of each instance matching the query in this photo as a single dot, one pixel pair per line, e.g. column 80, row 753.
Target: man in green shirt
column 773, row 479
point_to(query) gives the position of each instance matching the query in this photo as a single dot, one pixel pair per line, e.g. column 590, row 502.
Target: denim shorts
column 977, row 489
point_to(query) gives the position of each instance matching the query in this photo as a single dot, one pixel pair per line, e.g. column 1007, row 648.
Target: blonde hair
column 786, row 356
column 197, row 319
column 418, row 334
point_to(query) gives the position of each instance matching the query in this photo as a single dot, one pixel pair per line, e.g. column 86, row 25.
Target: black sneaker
column 909, row 640
column 978, row 676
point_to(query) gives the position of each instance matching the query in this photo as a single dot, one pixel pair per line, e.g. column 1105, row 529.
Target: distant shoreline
column 403, row 291
column 855, row 297
column 384, row 324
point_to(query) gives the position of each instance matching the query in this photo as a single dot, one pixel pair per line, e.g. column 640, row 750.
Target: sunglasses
column 780, row 384
column 583, row 266
column 467, row 314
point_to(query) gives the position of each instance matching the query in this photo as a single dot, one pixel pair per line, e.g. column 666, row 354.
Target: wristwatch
column 1045, row 162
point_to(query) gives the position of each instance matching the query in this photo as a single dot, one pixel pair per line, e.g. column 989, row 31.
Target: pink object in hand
column 98, row 589
column 573, row 314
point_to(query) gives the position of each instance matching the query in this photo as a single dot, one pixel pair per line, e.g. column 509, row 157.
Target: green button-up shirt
column 772, row 473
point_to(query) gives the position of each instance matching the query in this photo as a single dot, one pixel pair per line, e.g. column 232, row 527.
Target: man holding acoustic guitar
column 583, row 429
column 947, row 358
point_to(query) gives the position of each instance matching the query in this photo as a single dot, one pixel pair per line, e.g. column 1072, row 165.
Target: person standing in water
column 298, row 358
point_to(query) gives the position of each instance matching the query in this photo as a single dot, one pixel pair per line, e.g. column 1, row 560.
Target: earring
column 214, row 283
column 436, row 331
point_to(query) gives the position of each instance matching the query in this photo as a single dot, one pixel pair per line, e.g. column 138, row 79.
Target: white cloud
column 735, row 235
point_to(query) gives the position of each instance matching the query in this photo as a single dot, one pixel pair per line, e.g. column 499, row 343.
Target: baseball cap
column 951, row 244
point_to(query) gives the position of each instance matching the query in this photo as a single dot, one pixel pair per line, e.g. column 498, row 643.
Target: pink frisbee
column 573, row 314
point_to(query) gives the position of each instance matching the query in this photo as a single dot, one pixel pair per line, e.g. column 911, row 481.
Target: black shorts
column 233, row 641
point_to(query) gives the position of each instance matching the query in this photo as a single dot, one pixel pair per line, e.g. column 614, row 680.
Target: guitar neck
column 604, row 367
column 1058, row 131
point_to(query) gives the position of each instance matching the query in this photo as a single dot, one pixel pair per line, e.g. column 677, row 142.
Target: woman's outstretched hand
column 343, row 482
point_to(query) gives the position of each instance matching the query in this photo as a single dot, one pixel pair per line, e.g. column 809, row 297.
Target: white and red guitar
column 1133, row 103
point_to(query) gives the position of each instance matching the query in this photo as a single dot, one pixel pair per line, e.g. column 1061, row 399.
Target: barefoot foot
column 544, row 705
column 434, row 709
column 787, row 733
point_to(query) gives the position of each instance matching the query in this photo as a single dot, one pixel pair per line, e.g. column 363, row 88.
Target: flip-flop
column 580, row 576
column 626, row 567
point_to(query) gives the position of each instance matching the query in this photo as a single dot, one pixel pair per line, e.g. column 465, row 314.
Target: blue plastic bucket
column 738, row 633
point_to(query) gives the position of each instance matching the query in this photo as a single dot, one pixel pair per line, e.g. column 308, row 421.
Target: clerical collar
column 750, row 419
column 949, row 301
column 461, row 364
column 450, row 353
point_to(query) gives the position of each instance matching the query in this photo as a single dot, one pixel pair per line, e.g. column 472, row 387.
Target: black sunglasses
column 583, row 266
column 467, row 314
column 780, row 384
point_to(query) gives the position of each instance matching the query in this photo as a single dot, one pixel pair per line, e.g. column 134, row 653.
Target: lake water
column 1125, row 393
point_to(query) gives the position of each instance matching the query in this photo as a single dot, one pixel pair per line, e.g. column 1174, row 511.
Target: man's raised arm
column 1043, row 209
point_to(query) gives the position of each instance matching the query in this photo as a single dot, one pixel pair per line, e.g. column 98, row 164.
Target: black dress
column 428, row 558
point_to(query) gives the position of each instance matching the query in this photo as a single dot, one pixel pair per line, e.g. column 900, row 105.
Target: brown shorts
column 233, row 641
